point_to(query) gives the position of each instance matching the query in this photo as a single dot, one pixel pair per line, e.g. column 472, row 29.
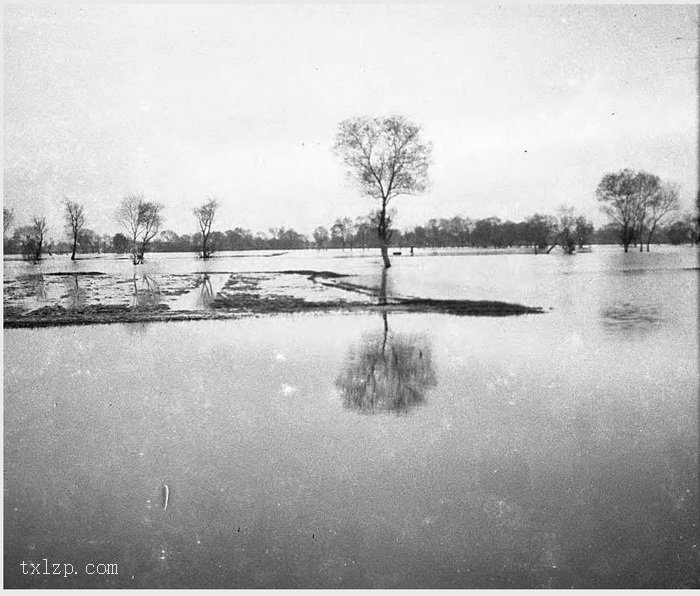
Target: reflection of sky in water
column 550, row 455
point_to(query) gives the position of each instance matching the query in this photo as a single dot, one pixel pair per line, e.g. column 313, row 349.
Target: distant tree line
column 538, row 232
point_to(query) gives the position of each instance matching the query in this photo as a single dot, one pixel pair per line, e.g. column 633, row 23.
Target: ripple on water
column 629, row 317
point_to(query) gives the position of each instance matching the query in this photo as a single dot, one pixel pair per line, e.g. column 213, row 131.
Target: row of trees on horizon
column 539, row 232
column 384, row 158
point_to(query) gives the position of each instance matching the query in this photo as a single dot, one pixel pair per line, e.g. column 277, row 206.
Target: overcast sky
column 526, row 107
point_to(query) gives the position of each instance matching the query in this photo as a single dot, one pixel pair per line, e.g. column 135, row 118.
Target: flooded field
column 363, row 450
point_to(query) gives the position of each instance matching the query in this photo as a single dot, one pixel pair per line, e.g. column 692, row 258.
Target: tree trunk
column 382, row 289
column 385, row 254
column 386, row 332
column 384, row 236
column 140, row 254
column 75, row 242
column 651, row 232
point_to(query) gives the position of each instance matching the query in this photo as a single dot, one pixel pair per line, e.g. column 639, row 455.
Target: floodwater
column 361, row 451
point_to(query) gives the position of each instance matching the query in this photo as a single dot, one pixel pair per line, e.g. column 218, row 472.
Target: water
column 333, row 451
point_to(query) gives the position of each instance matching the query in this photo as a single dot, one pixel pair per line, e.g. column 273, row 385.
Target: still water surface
column 333, row 451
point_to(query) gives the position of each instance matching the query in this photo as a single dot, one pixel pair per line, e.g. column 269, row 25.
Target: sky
column 526, row 107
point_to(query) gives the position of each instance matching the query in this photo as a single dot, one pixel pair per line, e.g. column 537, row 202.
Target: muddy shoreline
column 95, row 298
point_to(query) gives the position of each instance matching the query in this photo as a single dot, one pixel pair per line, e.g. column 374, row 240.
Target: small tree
column 682, row 230
column 386, row 158
column 660, row 206
column 129, row 217
column 340, row 230
column 40, row 229
column 321, row 237
column 152, row 220
column 205, row 217
column 120, row 243
column 32, row 239
column 540, row 231
column 74, row 215
column 141, row 220
column 24, row 238
column 566, row 226
column 89, row 240
column 583, row 231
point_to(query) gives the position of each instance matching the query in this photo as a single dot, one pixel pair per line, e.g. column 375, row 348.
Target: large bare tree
column 141, row 220
column 74, row 215
column 385, row 157
column 205, row 217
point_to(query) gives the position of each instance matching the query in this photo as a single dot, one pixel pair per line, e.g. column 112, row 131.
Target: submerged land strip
column 57, row 299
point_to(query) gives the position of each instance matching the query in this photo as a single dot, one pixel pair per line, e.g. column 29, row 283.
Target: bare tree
column 584, row 230
column 649, row 187
column 141, row 220
column 40, row 228
column 33, row 237
column 8, row 217
column 386, row 158
column 660, row 206
column 74, row 215
column 152, row 220
column 128, row 217
column 363, row 226
column 341, row 230
column 624, row 197
column 205, row 217
column 566, row 225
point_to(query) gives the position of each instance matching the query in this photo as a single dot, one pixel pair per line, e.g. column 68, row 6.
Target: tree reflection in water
column 206, row 292
column 75, row 295
column 38, row 286
column 385, row 371
column 147, row 295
